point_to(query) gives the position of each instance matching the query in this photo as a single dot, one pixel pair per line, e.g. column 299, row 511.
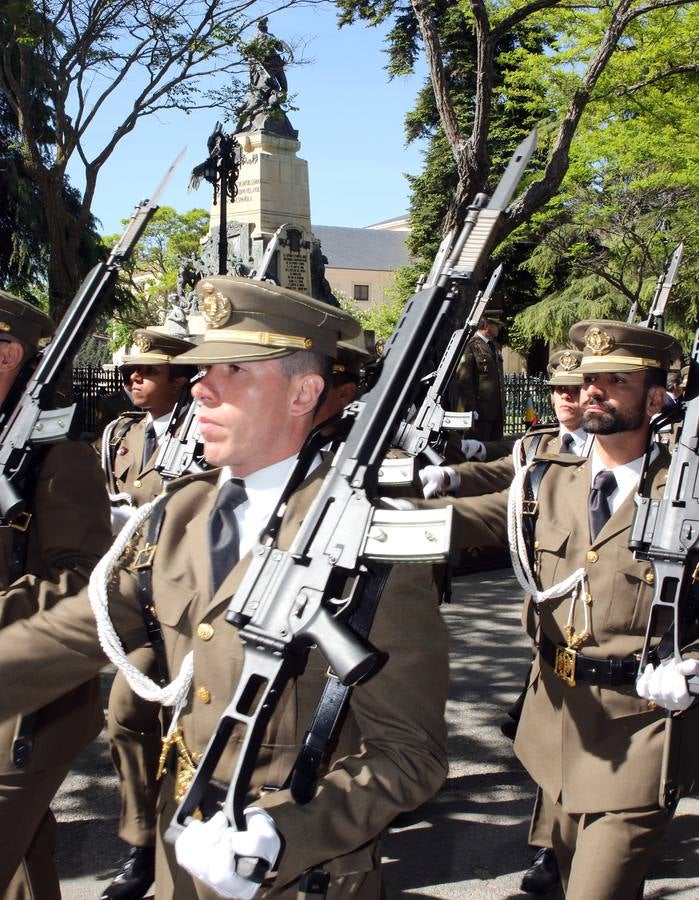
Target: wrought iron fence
column 91, row 384
column 523, row 392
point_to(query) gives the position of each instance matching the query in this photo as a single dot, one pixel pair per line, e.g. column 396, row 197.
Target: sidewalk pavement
column 470, row 840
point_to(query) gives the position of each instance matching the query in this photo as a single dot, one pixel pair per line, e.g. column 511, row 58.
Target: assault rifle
column 425, row 433
column 289, row 600
column 666, row 279
column 31, row 422
column 665, row 532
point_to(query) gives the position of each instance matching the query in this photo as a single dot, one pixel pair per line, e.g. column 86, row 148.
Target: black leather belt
column 573, row 667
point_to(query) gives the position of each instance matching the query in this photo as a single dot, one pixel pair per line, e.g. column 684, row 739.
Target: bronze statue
column 264, row 107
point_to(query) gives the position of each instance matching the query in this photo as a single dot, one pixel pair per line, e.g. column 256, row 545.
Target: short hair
column 308, row 361
column 673, row 378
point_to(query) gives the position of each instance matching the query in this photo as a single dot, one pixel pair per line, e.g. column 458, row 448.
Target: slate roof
column 362, row 248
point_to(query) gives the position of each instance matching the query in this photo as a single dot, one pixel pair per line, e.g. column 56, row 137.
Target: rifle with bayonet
column 31, row 422
column 289, row 600
column 426, row 433
column 665, row 532
column 663, row 286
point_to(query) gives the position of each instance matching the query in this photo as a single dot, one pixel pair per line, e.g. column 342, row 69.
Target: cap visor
column 210, row 352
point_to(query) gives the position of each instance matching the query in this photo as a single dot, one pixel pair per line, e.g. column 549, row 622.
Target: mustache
column 602, row 404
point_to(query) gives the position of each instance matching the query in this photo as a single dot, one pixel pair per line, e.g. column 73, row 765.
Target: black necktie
column 150, row 443
column 567, row 443
column 224, row 536
column 491, row 345
column 598, row 506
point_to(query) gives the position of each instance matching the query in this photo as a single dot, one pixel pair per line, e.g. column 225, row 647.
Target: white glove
column 438, row 480
column 399, row 503
column 475, row 415
column 122, row 509
column 667, row 685
column 210, row 852
column 473, row 449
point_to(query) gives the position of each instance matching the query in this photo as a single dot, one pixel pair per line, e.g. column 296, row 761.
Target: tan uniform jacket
column 600, row 749
column 131, row 475
column 391, row 755
column 481, row 382
column 68, row 533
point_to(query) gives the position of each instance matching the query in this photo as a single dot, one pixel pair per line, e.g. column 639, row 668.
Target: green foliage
column 152, row 273
column 381, row 318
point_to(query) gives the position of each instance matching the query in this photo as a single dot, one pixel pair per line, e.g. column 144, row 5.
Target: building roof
column 362, row 248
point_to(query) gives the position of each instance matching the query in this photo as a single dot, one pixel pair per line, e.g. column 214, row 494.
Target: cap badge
column 4, row 326
column 44, row 342
column 142, row 343
column 567, row 361
column 215, row 307
column 597, row 341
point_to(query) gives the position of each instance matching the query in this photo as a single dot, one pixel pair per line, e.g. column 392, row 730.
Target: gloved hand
column 438, row 480
column 473, row 449
column 666, row 685
column 122, row 509
column 225, row 859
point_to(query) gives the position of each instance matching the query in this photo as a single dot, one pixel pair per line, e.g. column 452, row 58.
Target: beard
column 612, row 420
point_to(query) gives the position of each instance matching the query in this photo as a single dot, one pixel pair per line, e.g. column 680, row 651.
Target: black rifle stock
column 30, row 422
column 665, row 532
column 290, row 599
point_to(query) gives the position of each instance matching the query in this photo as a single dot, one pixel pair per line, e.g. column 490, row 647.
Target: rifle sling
column 532, row 484
column 333, row 701
column 23, row 738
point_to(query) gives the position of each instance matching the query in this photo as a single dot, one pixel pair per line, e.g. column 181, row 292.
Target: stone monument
column 270, row 194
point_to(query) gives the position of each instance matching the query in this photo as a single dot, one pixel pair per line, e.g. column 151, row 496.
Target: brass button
column 204, row 695
column 205, row 631
column 592, row 556
column 536, row 545
column 649, row 577
column 137, row 483
column 652, row 705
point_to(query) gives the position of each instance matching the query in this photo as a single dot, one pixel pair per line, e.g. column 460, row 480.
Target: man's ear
column 306, row 389
column 655, row 400
column 11, row 355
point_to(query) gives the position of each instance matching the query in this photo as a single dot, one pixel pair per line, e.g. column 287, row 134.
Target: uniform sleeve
column 484, row 477
column 399, row 713
column 466, row 380
column 45, row 656
column 479, row 521
column 68, row 533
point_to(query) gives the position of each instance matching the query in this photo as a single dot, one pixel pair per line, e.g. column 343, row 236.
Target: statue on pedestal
column 264, row 107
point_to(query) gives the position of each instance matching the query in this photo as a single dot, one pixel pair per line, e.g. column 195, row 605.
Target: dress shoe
column 542, row 875
column 135, row 875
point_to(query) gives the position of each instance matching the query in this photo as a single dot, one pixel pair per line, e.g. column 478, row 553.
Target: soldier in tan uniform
column 481, row 381
column 39, row 567
column 596, row 749
column 265, row 356
column 130, row 448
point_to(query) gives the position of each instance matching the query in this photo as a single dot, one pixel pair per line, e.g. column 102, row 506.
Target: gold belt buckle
column 530, row 507
column 564, row 664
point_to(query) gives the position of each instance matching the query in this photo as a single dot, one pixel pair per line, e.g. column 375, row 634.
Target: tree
column 151, row 274
column 584, row 38
column 75, row 57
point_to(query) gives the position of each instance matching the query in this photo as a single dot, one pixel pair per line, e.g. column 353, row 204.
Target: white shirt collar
column 160, row 425
column 627, row 476
column 579, row 439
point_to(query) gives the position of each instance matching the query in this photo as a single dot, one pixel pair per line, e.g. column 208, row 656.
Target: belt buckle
column 530, row 507
column 564, row 664
column 144, row 558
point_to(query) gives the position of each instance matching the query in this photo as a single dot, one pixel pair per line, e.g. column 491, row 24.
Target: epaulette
column 183, row 480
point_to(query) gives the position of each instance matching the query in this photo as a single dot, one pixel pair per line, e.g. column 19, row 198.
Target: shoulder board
column 542, row 428
column 211, row 475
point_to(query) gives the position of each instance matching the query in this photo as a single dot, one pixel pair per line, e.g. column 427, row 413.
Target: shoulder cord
column 110, row 438
column 176, row 692
column 518, row 544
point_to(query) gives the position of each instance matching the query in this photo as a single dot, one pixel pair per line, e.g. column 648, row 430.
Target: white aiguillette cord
column 518, row 545
column 173, row 694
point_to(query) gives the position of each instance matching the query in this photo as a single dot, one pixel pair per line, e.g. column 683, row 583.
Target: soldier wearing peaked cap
column 44, row 557
column 265, row 360
column 600, row 753
column 481, row 381
column 130, row 448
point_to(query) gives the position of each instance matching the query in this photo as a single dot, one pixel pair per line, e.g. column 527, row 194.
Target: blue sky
column 350, row 124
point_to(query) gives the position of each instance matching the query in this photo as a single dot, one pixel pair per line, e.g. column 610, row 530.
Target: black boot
column 542, row 875
column 135, row 875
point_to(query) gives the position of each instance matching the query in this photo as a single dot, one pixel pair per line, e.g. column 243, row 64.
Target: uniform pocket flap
column 178, row 599
column 552, row 539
